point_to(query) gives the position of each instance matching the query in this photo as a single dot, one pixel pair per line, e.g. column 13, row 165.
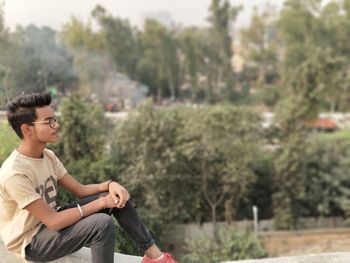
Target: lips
column 56, row 132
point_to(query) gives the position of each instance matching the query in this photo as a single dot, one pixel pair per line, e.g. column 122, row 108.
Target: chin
column 55, row 139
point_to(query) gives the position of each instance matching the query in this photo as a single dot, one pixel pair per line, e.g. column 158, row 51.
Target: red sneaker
column 168, row 258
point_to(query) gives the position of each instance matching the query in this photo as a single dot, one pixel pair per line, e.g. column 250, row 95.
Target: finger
column 115, row 199
column 126, row 195
column 121, row 202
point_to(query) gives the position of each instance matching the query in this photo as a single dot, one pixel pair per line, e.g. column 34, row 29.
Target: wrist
column 103, row 203
column 80, row 210
column 107, row 184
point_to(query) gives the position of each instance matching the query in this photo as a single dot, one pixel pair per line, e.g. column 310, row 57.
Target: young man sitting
column 31, row 223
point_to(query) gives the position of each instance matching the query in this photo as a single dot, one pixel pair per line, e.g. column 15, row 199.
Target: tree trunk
column 229, row 211
column 193, row 88
column 208, row 93
column 159, row 94
column 6, row 88
column 171, row 84
column 215, row 226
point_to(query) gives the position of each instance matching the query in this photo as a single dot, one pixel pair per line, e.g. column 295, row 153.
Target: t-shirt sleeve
column 21, row 189
column 60, row 169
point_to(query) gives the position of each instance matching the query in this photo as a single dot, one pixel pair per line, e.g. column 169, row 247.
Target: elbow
column 79, row 195
column 53, row 226
column 80, row 192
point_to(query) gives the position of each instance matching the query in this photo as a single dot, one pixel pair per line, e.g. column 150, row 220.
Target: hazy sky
column 55, row 13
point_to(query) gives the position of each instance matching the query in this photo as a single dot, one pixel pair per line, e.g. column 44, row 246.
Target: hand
column 109, row 201
column 119, row 194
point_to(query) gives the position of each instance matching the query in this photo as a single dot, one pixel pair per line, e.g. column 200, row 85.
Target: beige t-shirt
column 22, row 181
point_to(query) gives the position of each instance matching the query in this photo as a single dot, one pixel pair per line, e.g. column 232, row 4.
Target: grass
column 335, row 136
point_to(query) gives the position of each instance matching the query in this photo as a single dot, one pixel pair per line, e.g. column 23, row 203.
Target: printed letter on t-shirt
column 48, row 191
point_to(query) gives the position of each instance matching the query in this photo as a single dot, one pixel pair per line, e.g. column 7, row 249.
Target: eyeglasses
column 52, row 122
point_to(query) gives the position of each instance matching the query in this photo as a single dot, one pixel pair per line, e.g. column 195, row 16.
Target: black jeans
column 96, row 231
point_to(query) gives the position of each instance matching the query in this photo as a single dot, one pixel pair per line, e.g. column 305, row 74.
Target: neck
column 28, row 149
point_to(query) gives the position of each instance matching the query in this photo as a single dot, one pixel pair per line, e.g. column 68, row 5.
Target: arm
column 58, row 220
column 80, row 190
column 119, row 194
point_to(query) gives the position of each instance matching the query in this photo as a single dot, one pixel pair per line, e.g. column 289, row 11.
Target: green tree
column 301, row 103
column 9, row 141
column 219, row 147
column 220, row 76
column 190, row 42
column 32, row 60
column 83, row 136
column 5, row 70
column 146, row 151
column 121, row 40
column 327, row 185
column 82, row 148
column 78, row 35
column 261, row 43
column 91, row 59
column 313, row 32
column 207, row 153
column 158, row 66
column 315, row 76
column 299, row 27
column 335, row 38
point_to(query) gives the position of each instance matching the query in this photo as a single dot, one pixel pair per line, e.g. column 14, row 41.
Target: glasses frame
column 52, row 122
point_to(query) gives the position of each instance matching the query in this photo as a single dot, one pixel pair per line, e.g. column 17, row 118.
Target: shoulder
column 49, row 154
column 11, row 166
column 13, row 181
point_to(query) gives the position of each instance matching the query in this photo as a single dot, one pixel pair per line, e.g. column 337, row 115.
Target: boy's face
column 45, row 128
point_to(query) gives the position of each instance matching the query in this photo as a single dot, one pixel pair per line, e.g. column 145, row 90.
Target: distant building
column 325, row 121
column 324, row 124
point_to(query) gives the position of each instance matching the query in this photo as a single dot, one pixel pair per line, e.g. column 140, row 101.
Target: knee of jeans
column 104, row 221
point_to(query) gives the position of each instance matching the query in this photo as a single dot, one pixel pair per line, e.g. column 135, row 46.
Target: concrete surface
column 341, row 257
column 81, row 256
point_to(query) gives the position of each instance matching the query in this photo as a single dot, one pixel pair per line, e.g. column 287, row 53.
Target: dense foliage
column 8, row 139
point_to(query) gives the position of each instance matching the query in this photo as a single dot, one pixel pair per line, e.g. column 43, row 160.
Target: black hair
column 21, row 109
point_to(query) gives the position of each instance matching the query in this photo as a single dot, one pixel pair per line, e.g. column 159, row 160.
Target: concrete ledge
column 81, row 256
column 313, row 258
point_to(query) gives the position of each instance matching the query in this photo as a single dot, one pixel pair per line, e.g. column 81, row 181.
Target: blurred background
column 228, row 121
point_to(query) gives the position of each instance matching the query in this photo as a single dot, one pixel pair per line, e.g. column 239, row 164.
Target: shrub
column 233, row 245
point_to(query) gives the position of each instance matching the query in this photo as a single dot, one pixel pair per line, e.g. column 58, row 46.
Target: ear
column 26, row 130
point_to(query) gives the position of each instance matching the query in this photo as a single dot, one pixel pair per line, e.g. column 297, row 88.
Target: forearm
column 70, row 216
column 91, row 189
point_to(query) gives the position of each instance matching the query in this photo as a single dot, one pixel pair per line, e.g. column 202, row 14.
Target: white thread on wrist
column 80, row 210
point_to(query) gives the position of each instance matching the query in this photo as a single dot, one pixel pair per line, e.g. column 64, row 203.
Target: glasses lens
column 52, row 123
